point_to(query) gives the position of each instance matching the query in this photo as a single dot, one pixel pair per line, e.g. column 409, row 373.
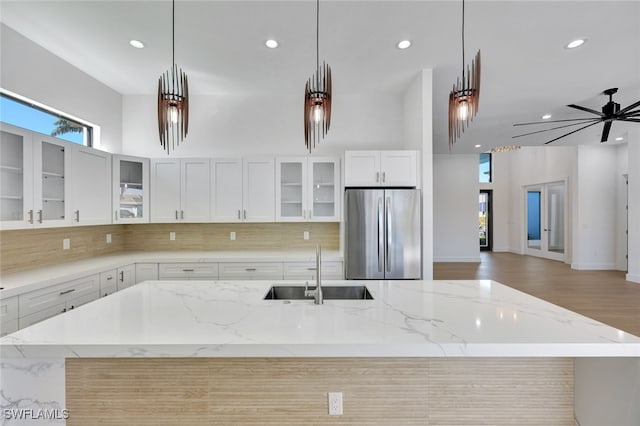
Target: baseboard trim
column 500, row 249
column 633, row 278
column 594, row 266
column 472, row 259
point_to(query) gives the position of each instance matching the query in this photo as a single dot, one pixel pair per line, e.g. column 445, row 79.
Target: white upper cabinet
column 51, row 183
column 243, row 190
column 307, row 189
column 130, row 189
column 381, row 168
column 180, row 190
column 90, row 186
column 16, row 178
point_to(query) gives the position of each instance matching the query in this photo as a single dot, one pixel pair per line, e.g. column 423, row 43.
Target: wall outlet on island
column 232, row 236
column 108, row 238
column 335, row 403
column 172, row 236
column 305, row 235
column 66, row 243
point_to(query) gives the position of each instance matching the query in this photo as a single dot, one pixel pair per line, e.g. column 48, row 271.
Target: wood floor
column 603, row 295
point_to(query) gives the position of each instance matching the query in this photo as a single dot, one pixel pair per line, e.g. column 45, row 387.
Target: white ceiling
column 526, row 71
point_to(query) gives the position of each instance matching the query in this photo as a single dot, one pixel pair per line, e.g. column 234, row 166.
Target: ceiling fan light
column 575, row 43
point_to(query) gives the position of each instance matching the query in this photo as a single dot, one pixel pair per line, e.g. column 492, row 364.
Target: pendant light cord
column 463, row 42
column 173, row 34
column 318, row 35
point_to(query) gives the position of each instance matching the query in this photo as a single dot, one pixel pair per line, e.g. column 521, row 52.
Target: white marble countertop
column 406, row 319
column 21, row 282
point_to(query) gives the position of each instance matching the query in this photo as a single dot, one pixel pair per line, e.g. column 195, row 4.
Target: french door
column 546, row 220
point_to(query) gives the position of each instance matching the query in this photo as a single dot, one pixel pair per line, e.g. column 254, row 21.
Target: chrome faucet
column 317, row 293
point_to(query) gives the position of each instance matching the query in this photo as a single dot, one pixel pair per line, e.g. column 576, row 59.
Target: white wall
column 222, row 126
column 29, row 70
column 418, row 135
column 634, row 204
column 455, row 213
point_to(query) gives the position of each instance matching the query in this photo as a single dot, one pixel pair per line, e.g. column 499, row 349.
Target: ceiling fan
column 610, row 112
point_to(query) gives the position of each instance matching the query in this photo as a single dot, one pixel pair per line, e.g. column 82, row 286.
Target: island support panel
column 407, row 391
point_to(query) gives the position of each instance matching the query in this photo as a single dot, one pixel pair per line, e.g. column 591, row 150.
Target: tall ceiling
column 526, row 70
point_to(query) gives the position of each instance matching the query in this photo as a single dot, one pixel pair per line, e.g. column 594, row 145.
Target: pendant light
column 173, row 100
column 465, row 95
column 317, row 97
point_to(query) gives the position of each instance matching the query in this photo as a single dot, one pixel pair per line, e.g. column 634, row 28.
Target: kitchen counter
column 405, row 319
column 20, row 282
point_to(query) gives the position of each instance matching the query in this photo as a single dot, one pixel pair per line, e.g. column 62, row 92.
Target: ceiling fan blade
column 556, row 121
column 629, row 108
column 572, row 132
column 605, row 132
column 581, row 108
column 554, row 128
column 632, row 120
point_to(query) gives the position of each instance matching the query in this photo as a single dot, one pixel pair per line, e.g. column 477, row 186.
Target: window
column 485, row 167
column 40, row 119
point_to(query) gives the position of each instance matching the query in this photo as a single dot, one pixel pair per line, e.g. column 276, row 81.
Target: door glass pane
column 483, row 219
column 323, row 189
column 11, row 177
column 53, row 196
column 534, row 235
column 131, row 190
column 291, row 189
column 555, row 212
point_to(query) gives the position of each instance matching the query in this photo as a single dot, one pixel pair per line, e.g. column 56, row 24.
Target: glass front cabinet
column 307, row 189
column 34, row 184
column 130, row 189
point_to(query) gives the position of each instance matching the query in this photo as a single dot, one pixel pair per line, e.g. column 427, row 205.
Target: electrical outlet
column 335, row 403
column 305, row 235
column 172, row 236
column 232, row 236
column 66, row 244
column 108, row 238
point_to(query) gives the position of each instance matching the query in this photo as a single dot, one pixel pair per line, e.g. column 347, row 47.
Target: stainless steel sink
column 290, row 292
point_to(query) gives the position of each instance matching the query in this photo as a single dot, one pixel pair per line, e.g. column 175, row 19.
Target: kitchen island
column 214, row 352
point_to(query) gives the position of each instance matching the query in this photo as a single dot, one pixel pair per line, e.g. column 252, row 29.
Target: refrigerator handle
column 387, row 254
column 380, row 235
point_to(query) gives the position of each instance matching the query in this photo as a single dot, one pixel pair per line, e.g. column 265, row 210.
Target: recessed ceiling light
column 576, row 43
column 404, row 44
column 136, row 43
column 546, row 116
column 477, row 146
column 619, row 138
column 271, row 44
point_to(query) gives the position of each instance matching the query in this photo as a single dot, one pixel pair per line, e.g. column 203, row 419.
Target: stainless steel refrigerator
column 383, row 238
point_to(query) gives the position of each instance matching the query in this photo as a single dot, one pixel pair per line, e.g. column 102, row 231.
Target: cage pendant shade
column 317, row 106
column 173, row 102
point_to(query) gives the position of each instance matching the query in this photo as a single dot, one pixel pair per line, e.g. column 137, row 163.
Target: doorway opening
column 545, row 224
column 485, row 219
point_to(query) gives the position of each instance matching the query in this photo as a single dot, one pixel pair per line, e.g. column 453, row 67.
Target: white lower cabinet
column 146, row 272
column 108, row 283
column 46, row 302
column 307, row 271
column 126, row 276
column 188, row 271
column 250, row 271
column 8, row 315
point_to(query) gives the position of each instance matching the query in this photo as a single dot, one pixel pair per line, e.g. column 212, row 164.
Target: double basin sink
column 289, row 292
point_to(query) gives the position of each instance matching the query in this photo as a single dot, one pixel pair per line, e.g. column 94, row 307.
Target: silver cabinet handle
column 62, row 293
column 311, row 269
column 122, row 276
column 77, row 215
column 245, row 214
column 380, row 234
column 239, row 214
column 377, row 176
column 384, row 176
column 187, row 270
column 249, row 269
column 109, row 278
column 30, row 216
column 181, row 214
column 389, row 236
column 39, row 216
column 176, row 214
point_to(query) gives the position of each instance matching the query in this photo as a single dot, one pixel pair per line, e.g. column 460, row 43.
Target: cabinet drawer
column 50, row 311
column 307, row 270
column 188, row 271
column 251, row 271
column 7, row 327
column 146, row 272
column 9, row 309
column 126, row 276
column 108, row 282
column 44, row 298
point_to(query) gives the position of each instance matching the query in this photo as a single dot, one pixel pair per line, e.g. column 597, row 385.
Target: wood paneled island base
column 388, row 391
